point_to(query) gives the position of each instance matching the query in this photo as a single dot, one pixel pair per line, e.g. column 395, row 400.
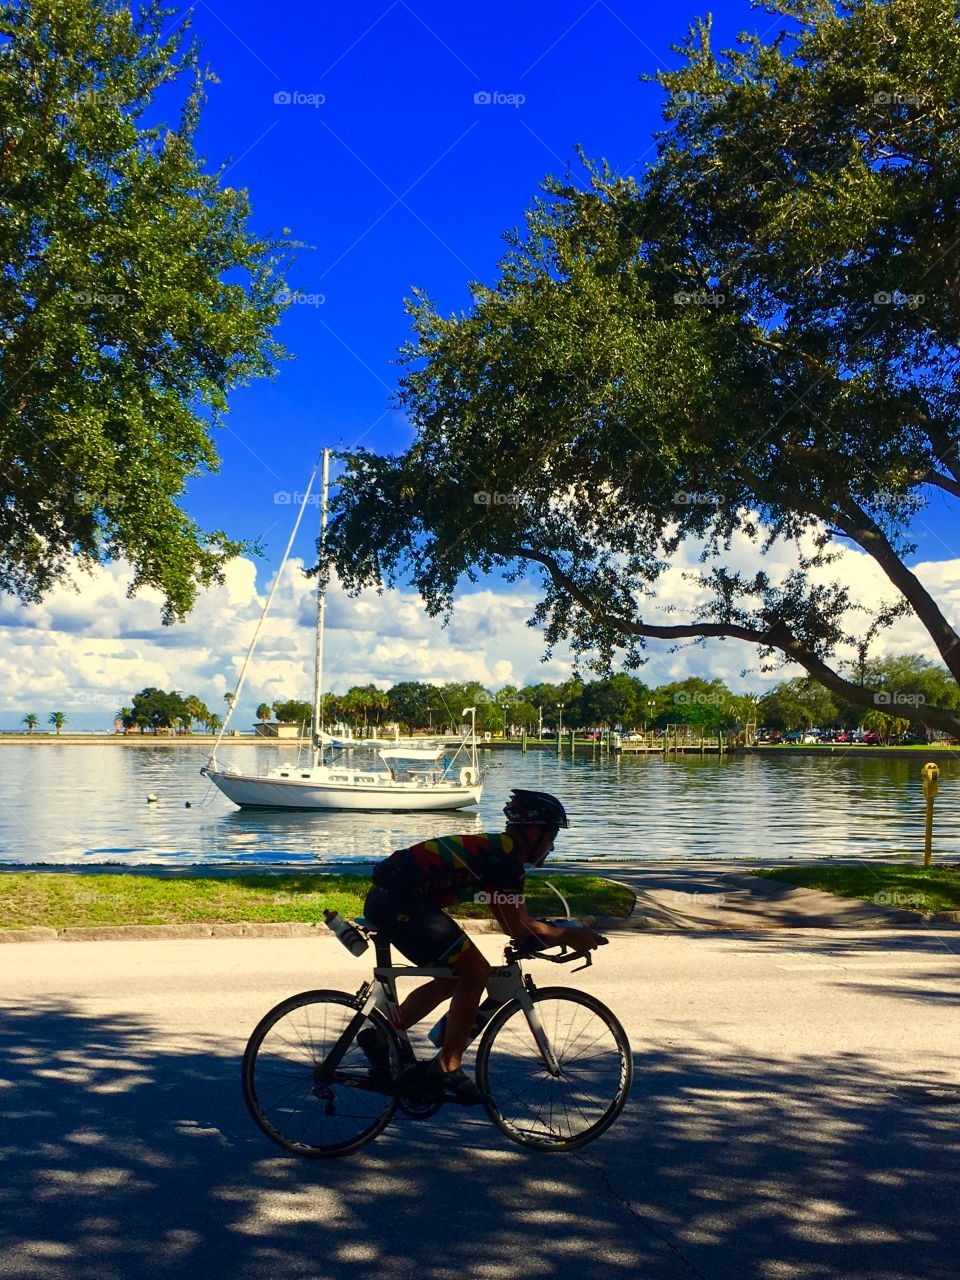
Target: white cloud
column 85, row 652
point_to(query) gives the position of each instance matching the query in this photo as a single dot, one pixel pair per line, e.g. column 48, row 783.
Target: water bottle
column 351, row 938
column 484, row 1014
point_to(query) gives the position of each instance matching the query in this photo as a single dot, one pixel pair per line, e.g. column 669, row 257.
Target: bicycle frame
column 506, row 983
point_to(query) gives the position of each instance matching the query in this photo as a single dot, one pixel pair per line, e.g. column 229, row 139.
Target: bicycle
column 554, row 1064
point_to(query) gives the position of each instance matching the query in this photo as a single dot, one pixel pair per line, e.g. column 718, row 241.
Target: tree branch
column 777, row 637
column 868, row 535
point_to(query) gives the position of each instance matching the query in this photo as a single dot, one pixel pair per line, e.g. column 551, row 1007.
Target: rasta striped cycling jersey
column 454, row 868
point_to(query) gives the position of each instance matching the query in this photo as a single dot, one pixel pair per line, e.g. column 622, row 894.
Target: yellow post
column 931, row 782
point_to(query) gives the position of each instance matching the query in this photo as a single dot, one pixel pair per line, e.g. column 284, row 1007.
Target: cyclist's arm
column 516, row 923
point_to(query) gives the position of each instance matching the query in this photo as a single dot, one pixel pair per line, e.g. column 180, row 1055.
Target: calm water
column 86, row 804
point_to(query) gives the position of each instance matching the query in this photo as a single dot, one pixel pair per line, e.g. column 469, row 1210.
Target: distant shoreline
column 830, row 751
column 140, row 740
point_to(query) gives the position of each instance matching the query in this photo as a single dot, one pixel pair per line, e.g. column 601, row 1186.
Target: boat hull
column 254, row 792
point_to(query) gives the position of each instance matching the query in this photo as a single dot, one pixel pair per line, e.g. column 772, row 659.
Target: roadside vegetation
column 61, row 900
column 911, row 888
column 621, row 701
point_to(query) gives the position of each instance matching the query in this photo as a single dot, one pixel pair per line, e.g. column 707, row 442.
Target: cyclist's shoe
column 375, row 1048
column 457, row 1086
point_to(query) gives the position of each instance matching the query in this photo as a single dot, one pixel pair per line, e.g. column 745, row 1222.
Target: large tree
column 752, row 345
column 134, row 296
column 414, row 704
column 155, row 709
column 798, row 704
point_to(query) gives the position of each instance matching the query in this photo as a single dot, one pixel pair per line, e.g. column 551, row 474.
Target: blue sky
column 400, row 179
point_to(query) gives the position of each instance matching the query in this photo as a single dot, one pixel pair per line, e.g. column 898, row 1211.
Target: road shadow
column 925, row 940
column 128, row 1153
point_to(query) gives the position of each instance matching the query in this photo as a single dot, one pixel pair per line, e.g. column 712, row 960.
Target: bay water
column 70, row 804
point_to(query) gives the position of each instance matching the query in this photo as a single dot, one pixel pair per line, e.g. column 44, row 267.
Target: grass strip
column 63, row 900
column 912, row 888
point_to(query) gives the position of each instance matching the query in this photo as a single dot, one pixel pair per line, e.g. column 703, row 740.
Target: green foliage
column 69, row 901
column 293, row 711
column 693, row 701
column 154, row 709
column 798, row 704
column 911, row 888
column 58, row 720
column 415, row 704
column 134, row 298
column 756, row 342
column 263, row 712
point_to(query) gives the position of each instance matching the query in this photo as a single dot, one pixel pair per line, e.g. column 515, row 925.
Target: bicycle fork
column 527, row 1003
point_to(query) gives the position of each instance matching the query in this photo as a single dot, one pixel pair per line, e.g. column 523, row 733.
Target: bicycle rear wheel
column 538, row 1109
column 286, row 1090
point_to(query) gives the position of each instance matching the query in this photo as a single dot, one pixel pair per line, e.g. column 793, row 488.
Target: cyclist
column 405, row 904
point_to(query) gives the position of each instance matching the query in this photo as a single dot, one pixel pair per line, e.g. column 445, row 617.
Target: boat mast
column 321, row 605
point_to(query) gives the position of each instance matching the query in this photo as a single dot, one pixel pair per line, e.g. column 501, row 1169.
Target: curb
column 284, row 929
column 168, row 932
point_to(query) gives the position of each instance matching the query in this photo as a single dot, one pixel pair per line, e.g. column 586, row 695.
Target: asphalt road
column 795, row 1114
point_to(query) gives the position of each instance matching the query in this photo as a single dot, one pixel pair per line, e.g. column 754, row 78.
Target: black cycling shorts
column 419, row 930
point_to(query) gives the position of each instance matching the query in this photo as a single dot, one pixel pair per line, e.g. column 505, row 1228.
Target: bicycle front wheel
column 287, row 1091
column 527, row 1101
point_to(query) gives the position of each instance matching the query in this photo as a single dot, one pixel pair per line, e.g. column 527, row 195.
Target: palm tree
column 195, row 709
column 214, row 722
column 58, row 720
column 879, row 722
column 31, row 721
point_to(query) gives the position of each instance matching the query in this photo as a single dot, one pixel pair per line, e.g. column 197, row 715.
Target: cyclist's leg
column 423, row 1000
column 428, row 936
column 472, row 972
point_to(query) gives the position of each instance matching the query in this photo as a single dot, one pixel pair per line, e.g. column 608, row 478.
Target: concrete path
column 795, row 1116
column 724, row 895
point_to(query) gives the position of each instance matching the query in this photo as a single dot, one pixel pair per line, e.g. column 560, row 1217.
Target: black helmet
column 535, row 809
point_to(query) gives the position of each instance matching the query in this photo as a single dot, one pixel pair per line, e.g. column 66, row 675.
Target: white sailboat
column 400, row 776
